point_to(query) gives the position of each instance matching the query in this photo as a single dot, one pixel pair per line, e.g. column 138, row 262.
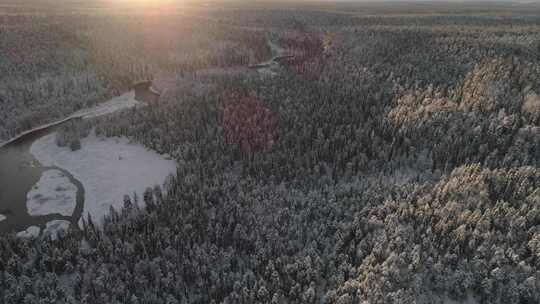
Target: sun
column 148, row 4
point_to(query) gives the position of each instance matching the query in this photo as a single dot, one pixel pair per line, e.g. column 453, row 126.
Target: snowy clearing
column 2, row 217
column 108, row 168
column 53, row 193
column 31, row 232
column 56, row 228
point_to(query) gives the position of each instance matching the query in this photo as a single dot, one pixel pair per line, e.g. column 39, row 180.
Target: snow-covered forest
column 393, row 157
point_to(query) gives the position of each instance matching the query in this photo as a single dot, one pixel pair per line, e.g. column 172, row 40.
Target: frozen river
column 19, row 174
column 42, row 184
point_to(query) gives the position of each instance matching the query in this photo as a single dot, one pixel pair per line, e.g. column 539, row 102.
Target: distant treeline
column 387, row 162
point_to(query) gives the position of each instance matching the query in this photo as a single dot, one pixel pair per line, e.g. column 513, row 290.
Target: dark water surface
column 19, row 172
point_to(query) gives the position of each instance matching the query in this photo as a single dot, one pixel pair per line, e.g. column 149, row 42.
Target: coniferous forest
column 390, row 154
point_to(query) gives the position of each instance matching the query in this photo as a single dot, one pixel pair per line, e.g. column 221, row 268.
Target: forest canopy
column 391, row 157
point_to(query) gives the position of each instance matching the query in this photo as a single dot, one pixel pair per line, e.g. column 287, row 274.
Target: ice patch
column 31, row 232
column 108, row 169
column 53, row 193
column 56, row 228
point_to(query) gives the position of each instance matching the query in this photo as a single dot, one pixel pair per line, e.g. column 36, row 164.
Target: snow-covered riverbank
column 56, row 228
column 30, row 233
column 124, row 101
column 108, row 168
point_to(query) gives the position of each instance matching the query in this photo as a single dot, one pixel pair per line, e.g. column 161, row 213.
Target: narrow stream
column 19, row 172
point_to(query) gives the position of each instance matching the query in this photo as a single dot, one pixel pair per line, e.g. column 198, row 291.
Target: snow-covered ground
column 52, row 229
column 2, row 217
column 55, row 228
column 53, row 193
column 31, row 232
column 108, row 169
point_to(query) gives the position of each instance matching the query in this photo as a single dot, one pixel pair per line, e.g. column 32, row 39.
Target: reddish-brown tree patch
column 311, row 51
column 247, row 122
